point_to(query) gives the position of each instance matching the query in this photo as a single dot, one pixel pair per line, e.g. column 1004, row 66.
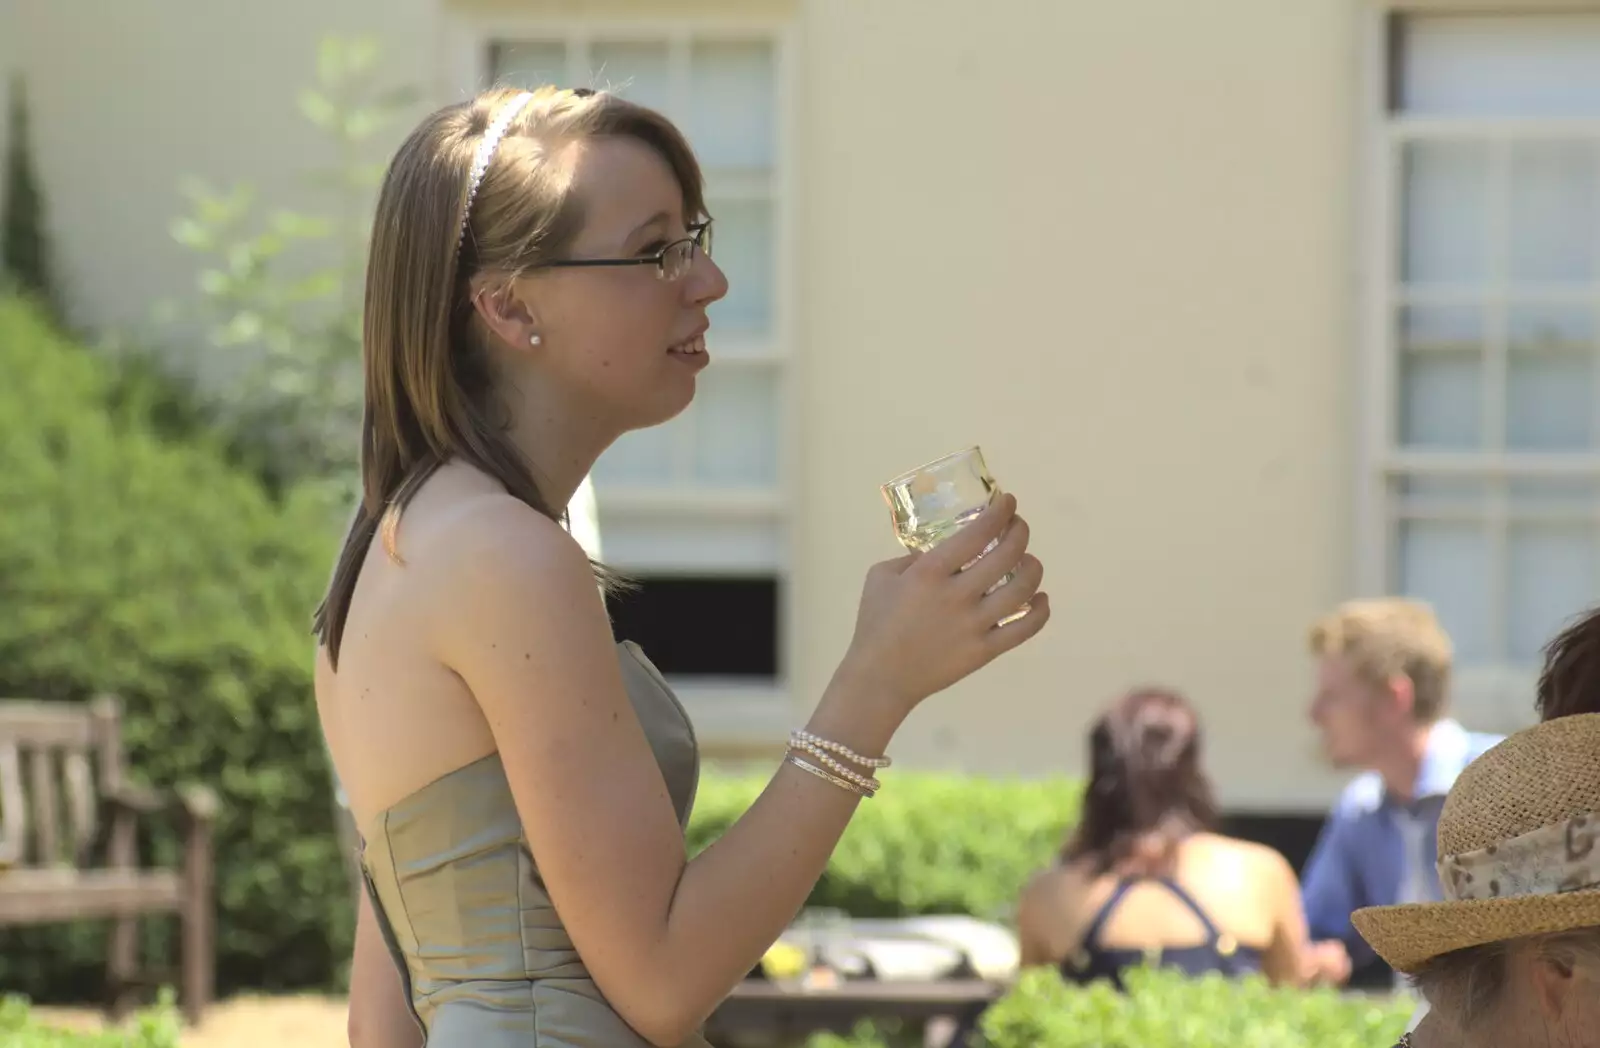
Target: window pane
column 1493, row 65
column 733, row 104
column 1447, row 564
column 529, row 64
column 742, row 242
column 1550, row 379
column 638, row 72
column 702, row 626
column 1552, row 212
column 1553, row 573
column 1441, row 377
column 736, row 427
column 697, row 540
column 1446, row 200
column 644, row 457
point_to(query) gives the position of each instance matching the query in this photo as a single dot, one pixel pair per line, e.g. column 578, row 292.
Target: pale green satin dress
column 485, row 960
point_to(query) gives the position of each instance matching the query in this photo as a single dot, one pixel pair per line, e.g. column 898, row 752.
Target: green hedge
column 1163, row 1009
column 927, row 844
column 147, row 566
column 156, row 1028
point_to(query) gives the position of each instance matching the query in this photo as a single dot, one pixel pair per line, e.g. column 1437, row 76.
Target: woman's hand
column 924, row 623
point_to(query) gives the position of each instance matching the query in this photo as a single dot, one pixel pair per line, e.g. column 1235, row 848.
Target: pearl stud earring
column 534, row 340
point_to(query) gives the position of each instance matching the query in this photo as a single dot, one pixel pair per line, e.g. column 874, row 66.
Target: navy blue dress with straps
column 1219, row 953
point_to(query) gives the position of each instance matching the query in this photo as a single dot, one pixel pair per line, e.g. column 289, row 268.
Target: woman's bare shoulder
column 1249, row 861
column 1059, row 880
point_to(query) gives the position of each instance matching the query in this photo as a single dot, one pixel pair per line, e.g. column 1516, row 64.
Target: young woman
column 538, row 285
column 1145, row 876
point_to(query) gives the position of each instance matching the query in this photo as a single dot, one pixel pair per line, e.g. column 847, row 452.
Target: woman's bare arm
column 1036, row 919
column 380, row 1016
column 666, row 939
column 1287, row 961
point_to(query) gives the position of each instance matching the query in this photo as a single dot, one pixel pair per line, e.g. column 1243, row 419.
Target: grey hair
column 1467, row 985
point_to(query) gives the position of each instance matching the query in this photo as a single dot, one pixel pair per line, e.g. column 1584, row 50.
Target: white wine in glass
column 934, row 501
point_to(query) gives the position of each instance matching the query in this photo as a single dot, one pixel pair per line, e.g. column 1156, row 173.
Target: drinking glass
column 936, row 500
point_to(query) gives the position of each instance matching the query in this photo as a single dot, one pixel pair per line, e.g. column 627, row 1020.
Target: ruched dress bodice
column 484, row 957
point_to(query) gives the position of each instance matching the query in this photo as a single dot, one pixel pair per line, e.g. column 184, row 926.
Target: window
column 1482, row 471
column 694, row 509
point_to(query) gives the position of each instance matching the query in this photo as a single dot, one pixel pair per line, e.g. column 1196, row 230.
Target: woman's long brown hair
column 1146, row 791
column 429, row 387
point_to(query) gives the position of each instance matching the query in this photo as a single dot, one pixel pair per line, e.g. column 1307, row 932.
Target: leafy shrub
column 154, row 569
column 865, row 1035
column 1164, row 1008
column 25, row 255
column 927, row 844
column 156, row 1028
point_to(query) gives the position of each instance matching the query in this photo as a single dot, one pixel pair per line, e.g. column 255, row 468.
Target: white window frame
column 733, row 714
column 1491, row 698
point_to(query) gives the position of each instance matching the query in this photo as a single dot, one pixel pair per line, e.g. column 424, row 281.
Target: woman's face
column 621, row 343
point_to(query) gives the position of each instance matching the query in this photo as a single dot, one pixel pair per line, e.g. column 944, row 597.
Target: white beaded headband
column 480, row 163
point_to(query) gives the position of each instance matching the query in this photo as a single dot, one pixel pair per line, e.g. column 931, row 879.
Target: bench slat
column 76, row 770
column 46, row 812
column 30, row 896
column 30, row 723
column 13, row 805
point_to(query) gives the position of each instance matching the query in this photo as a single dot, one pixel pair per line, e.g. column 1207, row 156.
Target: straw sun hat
column 1519, row 849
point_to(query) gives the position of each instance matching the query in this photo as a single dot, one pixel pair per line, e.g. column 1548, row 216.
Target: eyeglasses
column 671, row 262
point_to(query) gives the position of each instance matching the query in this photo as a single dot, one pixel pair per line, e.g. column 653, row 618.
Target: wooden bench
column 85, row 866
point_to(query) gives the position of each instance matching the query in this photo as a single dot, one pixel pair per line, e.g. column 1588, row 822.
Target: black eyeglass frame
column 699, row 236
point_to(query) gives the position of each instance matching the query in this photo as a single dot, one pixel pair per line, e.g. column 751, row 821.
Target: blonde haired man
column 1381, row 703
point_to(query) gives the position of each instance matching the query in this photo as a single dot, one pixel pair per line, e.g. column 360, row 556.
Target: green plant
column 24, row 243
column 156, row 1027
column 927, row 844
column 1163, row 1007
column 280, row 293
column 149, row 566
column 865, row 1035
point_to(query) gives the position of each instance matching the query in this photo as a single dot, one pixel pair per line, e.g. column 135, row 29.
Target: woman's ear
column 506, row 314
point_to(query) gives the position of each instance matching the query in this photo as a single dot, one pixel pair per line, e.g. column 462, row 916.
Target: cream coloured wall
column 1112, row 243
column 133, row 99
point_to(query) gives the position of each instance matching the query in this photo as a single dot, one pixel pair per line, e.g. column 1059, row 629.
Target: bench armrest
column 197, row 804
column 195, row 807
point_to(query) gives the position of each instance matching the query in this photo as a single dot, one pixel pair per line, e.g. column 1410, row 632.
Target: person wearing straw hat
column 1569, row 684
column 1511, row 955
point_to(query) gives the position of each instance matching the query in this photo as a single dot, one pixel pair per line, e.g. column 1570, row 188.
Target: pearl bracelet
column 800, row 735
column 866, row 782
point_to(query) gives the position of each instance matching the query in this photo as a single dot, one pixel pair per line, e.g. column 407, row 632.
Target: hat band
column 1551, row 860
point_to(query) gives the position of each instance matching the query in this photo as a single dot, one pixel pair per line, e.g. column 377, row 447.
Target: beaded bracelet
column 800, row 735
column 866, row 782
